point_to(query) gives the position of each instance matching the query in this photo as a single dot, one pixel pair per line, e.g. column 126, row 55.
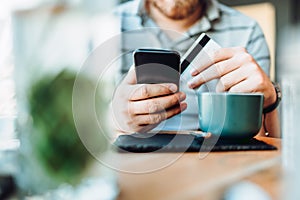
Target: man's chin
column 175, row 14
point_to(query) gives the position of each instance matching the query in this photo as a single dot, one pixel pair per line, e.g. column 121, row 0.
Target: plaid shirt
column 225, row 25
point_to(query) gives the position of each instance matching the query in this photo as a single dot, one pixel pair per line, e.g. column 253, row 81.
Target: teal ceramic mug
column 230, row 115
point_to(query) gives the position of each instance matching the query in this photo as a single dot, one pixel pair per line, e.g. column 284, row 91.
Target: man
column 242, row 65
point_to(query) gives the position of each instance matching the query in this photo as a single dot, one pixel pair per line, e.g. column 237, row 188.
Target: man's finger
column 246, row 86
column 146, row 91
column 232, row 78
column 130, row 77
column 156, row 118
column 213, row 72
column 155, row 105
column 218, row 56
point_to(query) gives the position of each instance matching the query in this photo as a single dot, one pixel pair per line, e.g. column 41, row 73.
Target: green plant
column 54, row 139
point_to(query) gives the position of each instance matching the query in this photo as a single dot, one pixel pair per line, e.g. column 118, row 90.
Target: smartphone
column 157, row 66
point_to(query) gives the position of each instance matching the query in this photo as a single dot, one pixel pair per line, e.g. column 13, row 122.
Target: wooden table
column 198, row 175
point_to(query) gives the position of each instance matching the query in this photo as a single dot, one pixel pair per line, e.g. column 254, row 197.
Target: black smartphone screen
column 157, row 66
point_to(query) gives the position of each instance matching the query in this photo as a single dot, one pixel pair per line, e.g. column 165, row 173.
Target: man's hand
column 237, row 71
column 141, row 107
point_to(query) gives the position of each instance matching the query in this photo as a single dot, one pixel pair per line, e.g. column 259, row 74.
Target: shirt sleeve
column 258, row 48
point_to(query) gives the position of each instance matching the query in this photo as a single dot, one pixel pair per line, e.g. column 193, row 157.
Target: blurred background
column 56, row 33
column 43, row 44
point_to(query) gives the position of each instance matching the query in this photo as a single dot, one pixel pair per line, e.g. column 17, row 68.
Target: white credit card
column 202, row 48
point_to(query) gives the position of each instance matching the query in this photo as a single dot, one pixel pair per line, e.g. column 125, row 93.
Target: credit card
column 202, row 48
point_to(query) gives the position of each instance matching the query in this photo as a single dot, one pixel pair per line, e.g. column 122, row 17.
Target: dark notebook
column 142, row 143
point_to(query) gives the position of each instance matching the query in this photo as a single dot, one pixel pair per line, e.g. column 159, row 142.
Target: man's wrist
column 274, row 105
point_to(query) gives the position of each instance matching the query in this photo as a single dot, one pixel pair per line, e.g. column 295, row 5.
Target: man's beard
column 177, row 9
